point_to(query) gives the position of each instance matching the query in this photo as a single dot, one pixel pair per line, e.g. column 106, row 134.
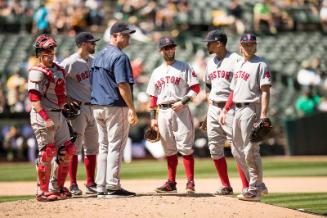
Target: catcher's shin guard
column 64, row 159
column 43, row 166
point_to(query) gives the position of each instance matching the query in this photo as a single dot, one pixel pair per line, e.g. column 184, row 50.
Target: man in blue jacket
column 113, row 109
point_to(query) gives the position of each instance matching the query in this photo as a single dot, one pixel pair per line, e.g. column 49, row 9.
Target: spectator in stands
column 262, row 12
column 41, row 21
column 323, row 16
column 16, row 94
column 165, row 16
column 2, row 99
column 308, row 102
column 308, row 75
column 235, row 10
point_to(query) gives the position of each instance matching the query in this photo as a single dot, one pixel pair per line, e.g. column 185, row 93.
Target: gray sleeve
column 264, row 74
column 36, row 81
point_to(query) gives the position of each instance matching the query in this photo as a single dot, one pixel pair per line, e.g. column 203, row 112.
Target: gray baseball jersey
column 78, row 87
column 170, row 83
column 219, row 73
column 248, row 79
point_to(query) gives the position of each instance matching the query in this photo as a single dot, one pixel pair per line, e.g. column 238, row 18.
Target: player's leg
column 99, row 116
column 184, row 133
column 78, row 125
column 169, row 146
column 216, row 140
column 91, row 147
column 117, row 128
column 65, row 154
column 251, row 152
column 47, row 151
column 238, row 154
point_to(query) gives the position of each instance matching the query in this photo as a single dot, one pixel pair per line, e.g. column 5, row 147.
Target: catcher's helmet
column 71, row 111
column 44, row 42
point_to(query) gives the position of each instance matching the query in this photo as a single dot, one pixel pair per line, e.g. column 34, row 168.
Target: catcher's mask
column 44, row 42
column 71, row 111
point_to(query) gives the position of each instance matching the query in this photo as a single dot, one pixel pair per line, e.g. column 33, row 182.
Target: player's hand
column 177, row 106
column 154, row 124
column 222, row 117
column 132, row 117
column 49, row 124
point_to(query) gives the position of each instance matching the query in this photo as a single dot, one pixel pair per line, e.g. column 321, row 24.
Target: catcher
column 46, row 87
column 250, row 93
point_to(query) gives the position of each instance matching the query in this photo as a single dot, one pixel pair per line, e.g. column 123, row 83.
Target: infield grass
column 305, row 202
column 154, row 169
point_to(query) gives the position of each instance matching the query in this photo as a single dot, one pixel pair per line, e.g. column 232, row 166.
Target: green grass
column 15, row 198
column 306, row 202
column 273, row 167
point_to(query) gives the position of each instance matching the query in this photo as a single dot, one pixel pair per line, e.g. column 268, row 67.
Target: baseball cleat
column 101, row 195
column 65, row 193
column 47, row 196
column 120, row 193
column 168, row 187
column 249, row 196
column 224, row 191
column 74, row 190
column 91, row 189
column 190, row 187
column 262, row 188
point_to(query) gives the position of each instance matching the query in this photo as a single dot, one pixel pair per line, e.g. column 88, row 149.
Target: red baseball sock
column 73, row 169
column 244, row 180
column 172, row 162
column 90, row 163
column 221, row 167
column 188, row 161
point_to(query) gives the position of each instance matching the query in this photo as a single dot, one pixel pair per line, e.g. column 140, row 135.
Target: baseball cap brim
column 209, row 40
column 129, row 31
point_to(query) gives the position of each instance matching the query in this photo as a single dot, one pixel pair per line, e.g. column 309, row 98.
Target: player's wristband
column 43, row 114
column 153, row 114
column 185, row 100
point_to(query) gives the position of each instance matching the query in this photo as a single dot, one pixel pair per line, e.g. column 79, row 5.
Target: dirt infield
column 147, row 204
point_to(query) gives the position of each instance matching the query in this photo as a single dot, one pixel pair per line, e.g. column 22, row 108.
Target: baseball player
column 112, row 82
column 77, row 68
column 250, row 93
column 172, row 85
column 46, row 87
column 219, row 74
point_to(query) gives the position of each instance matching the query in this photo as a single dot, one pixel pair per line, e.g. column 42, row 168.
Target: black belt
column 56, row 110
column 87, row 103
column 241, row 104
column 219, row 104
column 165, row 105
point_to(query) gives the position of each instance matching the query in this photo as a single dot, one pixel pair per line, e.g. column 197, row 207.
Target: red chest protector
column 58, row 83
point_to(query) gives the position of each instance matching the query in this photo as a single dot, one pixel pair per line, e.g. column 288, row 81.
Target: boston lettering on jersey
column 168, row 79
column 82, row 76
column 220, row 74
column 241, row 74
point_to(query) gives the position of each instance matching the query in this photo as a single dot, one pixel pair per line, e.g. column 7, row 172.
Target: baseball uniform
column 249, row 77
column 171, row 83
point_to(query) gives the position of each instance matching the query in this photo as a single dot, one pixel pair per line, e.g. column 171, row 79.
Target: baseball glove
column 71, row 110
column 260, row 130
column 203, row 125
column 151, row 135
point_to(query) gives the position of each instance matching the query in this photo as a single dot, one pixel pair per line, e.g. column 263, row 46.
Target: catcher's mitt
column 71, row 110
column 260, row 130
column 151, row 135
column 203, row 125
